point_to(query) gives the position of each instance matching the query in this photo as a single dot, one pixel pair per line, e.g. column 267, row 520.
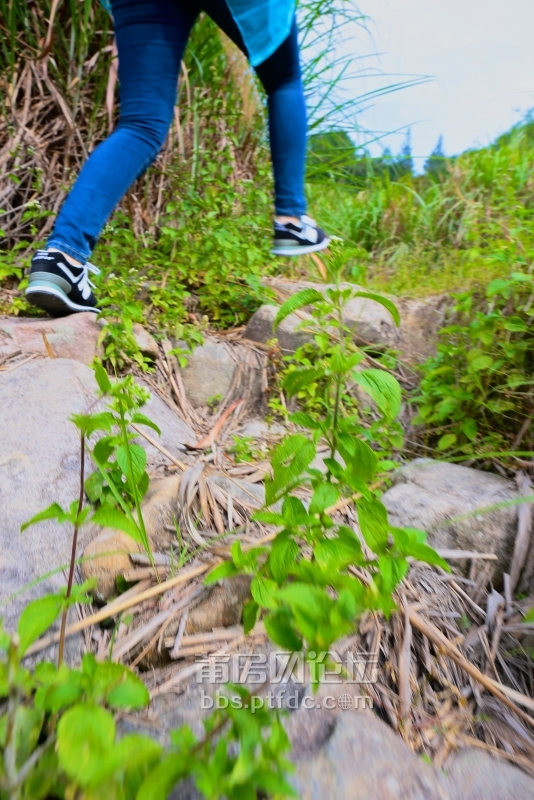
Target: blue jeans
column 151, row 39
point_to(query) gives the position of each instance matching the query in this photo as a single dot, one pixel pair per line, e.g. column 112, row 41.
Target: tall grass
column 420, row 234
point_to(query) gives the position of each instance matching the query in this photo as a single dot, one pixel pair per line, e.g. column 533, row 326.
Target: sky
column 478, row 55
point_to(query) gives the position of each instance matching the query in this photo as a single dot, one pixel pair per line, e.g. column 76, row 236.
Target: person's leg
column 151, row 38
column 281, row 78
column 280, row 74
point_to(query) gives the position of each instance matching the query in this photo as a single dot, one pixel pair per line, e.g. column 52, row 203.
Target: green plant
column 476, row 394
column 318, row 575
column 432, row 233
column 243, row 449
column 120, row 480
column 58, row 736
column 59, row 739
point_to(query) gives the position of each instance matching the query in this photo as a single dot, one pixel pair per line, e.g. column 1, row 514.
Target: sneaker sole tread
column 300, row 250
column 54, row 301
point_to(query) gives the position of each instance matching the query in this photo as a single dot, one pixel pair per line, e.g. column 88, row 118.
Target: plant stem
column 10, row 749
column 73, row 552
column 135, row 492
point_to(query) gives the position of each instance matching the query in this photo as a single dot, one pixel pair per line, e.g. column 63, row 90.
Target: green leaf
column 303, row 298
column 446, row 441
column 96, row 422
column 102, row 378
column 383, row 301
column 36, row 618
column 529, row 616
column 515, row 325
column 85, row 735
column 94, row 486
column 103, row 449
column 361, row 461
column 300, row 378
column 280, row 630
column 326, row 495
column 110, row 517
column 263, row 591
column 137, row 458
column 131, row 693
column 250, row 615
column 141, row 419
column 383, row 388
column 470, row 428
column 374, row 525
column 304, row 420
column 226, row 570
column 289, row 460
column 52, row 512
column 497, row 286
column 283, row 556
column 481, row 362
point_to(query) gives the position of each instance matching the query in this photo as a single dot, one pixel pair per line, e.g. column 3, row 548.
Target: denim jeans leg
column 151, row 38
column 281, row 77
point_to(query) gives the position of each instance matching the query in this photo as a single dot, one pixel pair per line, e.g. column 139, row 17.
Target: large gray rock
column 352, row 755
column 429, row 494
column 73, row 337
column 474, row 775
column 145, row 341
column 260, row 329
column 372, row 324
column 208, row 374
column 39, row 465
column 175, row 433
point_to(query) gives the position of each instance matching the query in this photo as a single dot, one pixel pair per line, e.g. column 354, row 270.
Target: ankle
column 70, row 259
column 283, row 220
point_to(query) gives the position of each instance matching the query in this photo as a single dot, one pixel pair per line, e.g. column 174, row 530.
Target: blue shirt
column 264, row 24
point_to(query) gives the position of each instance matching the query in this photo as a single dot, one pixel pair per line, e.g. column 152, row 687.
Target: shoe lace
column 85, row 285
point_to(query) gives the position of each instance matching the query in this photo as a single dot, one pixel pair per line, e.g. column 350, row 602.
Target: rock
column 427, row 493
column 474, row 775
column 421, row 320
column 260, row 429
column 159, row 509
column 260, row 329
column 372, row 324
column 352, row 755
column 39, row 465
column 208, row 373
column 145, row 341
column 346, row 755
column 105, row 557
column 72, row 337
column 222, row 608
column 175, row 433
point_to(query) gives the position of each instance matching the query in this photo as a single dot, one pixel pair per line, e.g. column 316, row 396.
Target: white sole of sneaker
column 300, row 250
column 52, row 299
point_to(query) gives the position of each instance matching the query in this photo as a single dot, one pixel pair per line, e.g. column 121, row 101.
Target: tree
column 436, row 163
column 404, row 161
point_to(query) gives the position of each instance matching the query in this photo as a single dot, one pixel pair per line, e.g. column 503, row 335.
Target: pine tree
column 436, row 163
column 404, row 161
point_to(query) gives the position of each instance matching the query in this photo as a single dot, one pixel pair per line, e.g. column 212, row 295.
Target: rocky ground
column 426, row 700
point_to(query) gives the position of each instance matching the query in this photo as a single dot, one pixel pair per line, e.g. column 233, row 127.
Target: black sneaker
column 297, row 240
column 57, row 286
